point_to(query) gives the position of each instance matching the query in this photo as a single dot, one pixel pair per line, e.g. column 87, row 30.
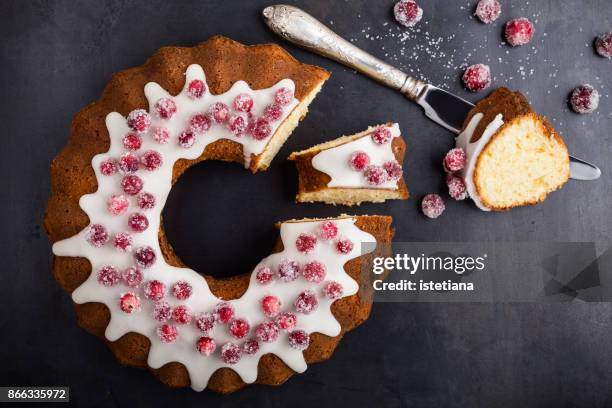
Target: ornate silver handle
column 302, row 29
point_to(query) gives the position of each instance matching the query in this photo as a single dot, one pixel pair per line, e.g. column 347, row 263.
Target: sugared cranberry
column 477, row 77
column 108, row 275
column 132, row 141
column 138, row 222
column 128, row 163
column 306, row 242
column 432, row 205
column 182, row 290
column 167, row 333
column 181, row 314
column 306, row 302
column 146, row 201
column 230, row 353
column 488, row 11
column 224, row 312
column 205, row 322
column 154, row 289
column 123, row 241
column 394, row 170
column 131, row 184
column 283, row 96
column 328, row 230
column 260, row 129
column 270, row 305
column 519, row 31
column 584, row 99
column 314, row 271
column 344, row 245
column 456, row 187
column 219, row 112
column 206, row 345
column 454, row 160
column 129, row 302
column 288, row 270
column 199, row 124
column 333, row 290
column 237, row 125
column 151, row 160
column 196, row 88
column 239, row 328
column 243, row 102
column 186, row 139
column 139, row 120
column 162, row 311
column 299, row 339
column 375, row 175
column 264, row 275
column 96, row 235
column 165, row 108
column 359, row 160
column 267, row 332
column 161, row 135
column 117, row 204
column 381, row 135
column 250, row 347
column 273, row 112
column 286, row 321
column 108, row 167
column 407, row 13
column 145, row 256
column 603, row 45
column 132, row 277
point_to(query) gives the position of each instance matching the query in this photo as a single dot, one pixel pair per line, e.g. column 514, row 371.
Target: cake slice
column 514, row 157
column 364, row 167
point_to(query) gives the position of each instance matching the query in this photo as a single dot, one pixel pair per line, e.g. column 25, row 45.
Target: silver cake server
column 444, row 108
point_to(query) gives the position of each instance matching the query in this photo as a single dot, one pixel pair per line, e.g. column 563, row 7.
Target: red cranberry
column 477, row 77
column 283, row 96
column 205, row 322
column 224, row 312
column 129, row 302
column 286, row 321
column 584, row 99
column 131, row 184
column 381, row 135
column 306, row 302
column 243, row 102
column 108, row 275
column 196, row 88
column 314, row 271
column 182, row 290
column 273, row 112
column 139, row 120
column 206, row 346
column 264, row 275
column 162, row 311
column 186, row 139
column 181, row 314
column 456, row 187
column 432, row 205
column 145, row 256
column 128, row 163
column 146, row 201
column 161, row 135
column 132, row 141
column 138, row 222
column 270, row 305
column 132, row 277
column 603, row 45
column 333, row 290
column 359, row 160
column 167, row 333
column 488, row 11
column 219, row 112
column 375, row 175
column 454, row 160
column 519, row 31
column 394, row 170
column 288, row 270
column 344, row 245
column 260, row 129
column 151, row 160
column 306, row 242
column 165, row 108
column 407, row 13
column 250, row 347
column 123, row 241
column 267, row 332
column 230, row 353
column 328, row 230
column 239, row 328
column 117, row 204
column 299, row 339
column 108, row 167
column 199, row 124
column 96, row 235
column 154, row 290
column 237, row 125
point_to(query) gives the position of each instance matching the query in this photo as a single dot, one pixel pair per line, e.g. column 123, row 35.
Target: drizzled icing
column 201, row 299
column 473, row 150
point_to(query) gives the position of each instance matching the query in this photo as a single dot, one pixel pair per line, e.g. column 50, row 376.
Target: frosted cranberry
column 181, row 314
column 328, row 230
column 288, row 270
column 394, row 170
column 196, row 88
column 132, row 141
column 167, row 333
column 273, row 112
column 299, row 339
column 456, row 187
column 123, row 241
column 283, row 96
column 165, row 108
column 138, row 222
column 182, row 290
column 219, row 112
column 603, row 45
column 139, row 120
column 375, row 175
column 264, row 275
column 477, row 77
column 199, row 123
column 344, row 245
column 407, row 13
column 314, row 271
column 145, row 256
column 161, row 135
column 205, row 322
column 151, row 160
column 224, row 312
column 96, row 235
column 243, row 102
column 306, row 242
column 146, row 201
column 186, row 139
column 488, row 11
column 250, row 347
column 129, row 302
column 108, row 167
column 237, row 125
column 132, row 277
column 162, row 311
column 266, row 332
column 117, row 204
column 432, row 205
column 131, row 184
column 128, row 163
column 359, row 160
column 239, row 328
column 260, row 129
column 381, row 135
column 286, row 321
column 154, row 289
column 519, row 31
column 584, row 99
column 230, row 353
column 206, row 346
column 454, row 160
column 270, row 305
column 306, row 302
column 333, row 290
column 108, row 275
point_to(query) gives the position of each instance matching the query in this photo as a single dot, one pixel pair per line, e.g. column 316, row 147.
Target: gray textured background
column 56, row 57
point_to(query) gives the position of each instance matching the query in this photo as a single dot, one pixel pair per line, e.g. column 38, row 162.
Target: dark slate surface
column 56, row 58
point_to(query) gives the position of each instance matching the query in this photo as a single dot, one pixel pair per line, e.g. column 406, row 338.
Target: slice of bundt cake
column 514, row 156
column 364, row 167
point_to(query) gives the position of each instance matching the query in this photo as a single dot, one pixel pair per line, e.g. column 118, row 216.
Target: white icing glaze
column 335, row 161
column 473, row 150
column 158, row 182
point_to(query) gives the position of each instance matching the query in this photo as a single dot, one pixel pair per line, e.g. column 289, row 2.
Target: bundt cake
column 110, row 183
column 364, row 167
column 514, row 157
